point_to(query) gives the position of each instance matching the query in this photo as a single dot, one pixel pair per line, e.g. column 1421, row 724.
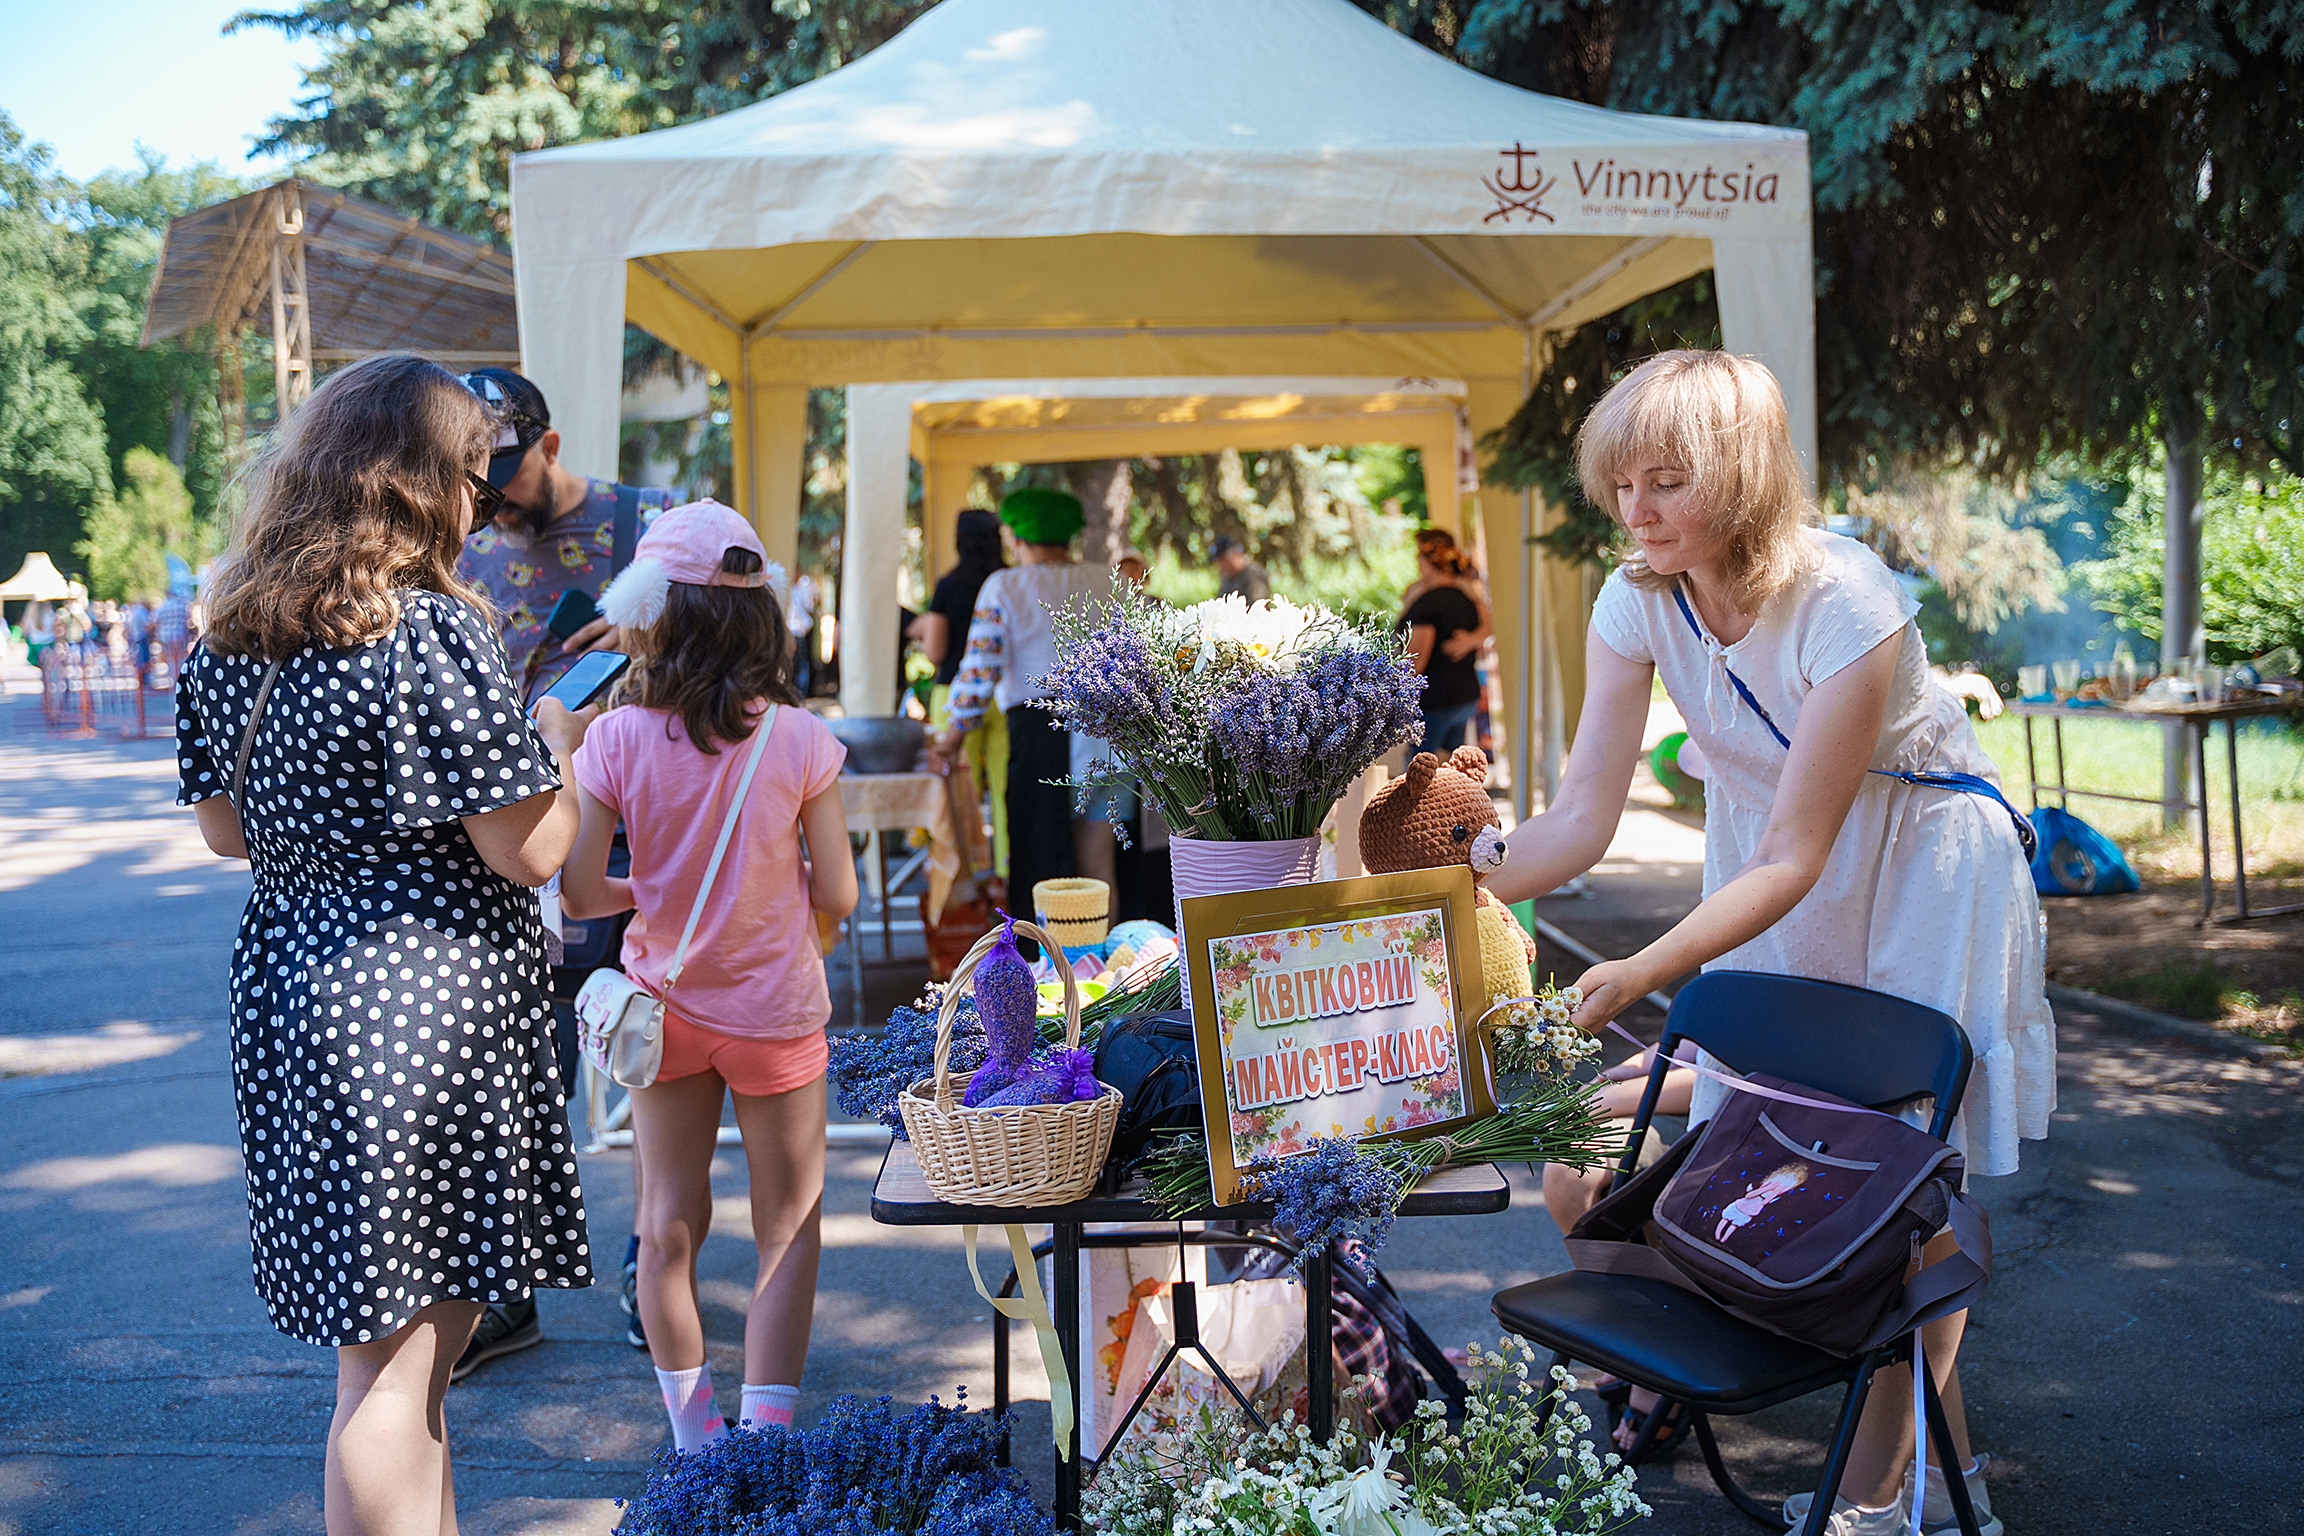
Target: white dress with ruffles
column 1926, row 894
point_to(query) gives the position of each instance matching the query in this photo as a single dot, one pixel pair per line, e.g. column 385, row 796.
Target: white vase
column 1202, row 867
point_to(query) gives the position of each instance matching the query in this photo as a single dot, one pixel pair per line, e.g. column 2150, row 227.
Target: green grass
column 2191, row 988
column 2123, row 757
column 2196, row 987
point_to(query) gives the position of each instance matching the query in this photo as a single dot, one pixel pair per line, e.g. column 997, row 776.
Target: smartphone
column 588, row 679
column 574, row 610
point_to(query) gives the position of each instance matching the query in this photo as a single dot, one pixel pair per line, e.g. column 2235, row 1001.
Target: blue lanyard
column 1966, row 783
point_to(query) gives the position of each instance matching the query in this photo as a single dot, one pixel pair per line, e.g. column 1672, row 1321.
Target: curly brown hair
column 360, row 493
column 712, row 654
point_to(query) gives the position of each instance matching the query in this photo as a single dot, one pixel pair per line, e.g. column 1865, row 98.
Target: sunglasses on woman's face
column 484, row 496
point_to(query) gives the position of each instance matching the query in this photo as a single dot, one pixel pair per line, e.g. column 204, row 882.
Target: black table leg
column 1065, row 1258
column 2207, row 809
column 2239, row 848
column 1319, row 1348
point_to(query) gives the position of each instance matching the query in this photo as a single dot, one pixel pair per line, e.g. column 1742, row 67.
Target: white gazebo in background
column 952, row 429
column 1020, row 190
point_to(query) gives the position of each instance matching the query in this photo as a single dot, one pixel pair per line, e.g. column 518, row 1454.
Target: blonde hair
column 360, row 493
column 1722, row 419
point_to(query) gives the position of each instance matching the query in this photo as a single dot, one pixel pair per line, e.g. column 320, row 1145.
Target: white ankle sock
column 768, row 1405
column 1936, row 1500
column 688, row 1403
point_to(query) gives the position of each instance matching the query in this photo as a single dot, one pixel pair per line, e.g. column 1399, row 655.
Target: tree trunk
column 1104, row 489
column 2182, row 638
column 179, row 427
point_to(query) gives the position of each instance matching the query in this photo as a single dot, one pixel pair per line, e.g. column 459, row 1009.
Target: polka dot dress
column 401, row 1112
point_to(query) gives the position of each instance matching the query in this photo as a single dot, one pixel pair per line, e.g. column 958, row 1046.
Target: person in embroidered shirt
column 1011, row 645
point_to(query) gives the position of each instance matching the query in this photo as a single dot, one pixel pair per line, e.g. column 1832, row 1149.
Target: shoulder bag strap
column 720, row 848
column 627, row 536
column 248, row 742
column 1966, row 783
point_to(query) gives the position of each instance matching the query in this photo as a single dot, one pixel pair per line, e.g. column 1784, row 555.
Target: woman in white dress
column 1792, row 655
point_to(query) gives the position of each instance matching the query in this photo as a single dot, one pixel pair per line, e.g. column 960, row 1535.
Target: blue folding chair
column 1863, row 1046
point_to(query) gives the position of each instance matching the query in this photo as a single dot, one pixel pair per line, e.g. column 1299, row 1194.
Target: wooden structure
column 339, row 278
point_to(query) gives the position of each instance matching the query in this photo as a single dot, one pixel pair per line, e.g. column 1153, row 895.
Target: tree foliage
column 130, row 537
column 2251, row 559
column 2042, row 226
column 423, row 105
column 52, row 452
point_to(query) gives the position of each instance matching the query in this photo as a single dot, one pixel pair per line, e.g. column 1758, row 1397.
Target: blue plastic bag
column 2077, row 860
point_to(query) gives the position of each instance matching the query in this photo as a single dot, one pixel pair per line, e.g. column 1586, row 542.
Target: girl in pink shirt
column 712, row 664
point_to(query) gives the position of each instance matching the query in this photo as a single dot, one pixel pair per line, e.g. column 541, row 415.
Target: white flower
column 1274, row 631
column 1370, row 1503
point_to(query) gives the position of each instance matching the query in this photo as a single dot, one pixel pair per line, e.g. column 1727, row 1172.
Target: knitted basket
column 1031, row 1155
column 1077, row 911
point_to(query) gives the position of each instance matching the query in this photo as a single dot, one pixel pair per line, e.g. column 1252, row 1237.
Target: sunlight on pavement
column 174, row 1165
column 109, row 1046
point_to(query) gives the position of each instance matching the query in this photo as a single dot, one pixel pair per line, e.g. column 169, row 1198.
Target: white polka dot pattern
column 401, row 1112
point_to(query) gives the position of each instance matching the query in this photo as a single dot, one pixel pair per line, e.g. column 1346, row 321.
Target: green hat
column 1043, row 516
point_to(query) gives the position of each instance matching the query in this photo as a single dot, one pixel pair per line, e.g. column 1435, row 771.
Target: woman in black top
column 1444, row 633
column 942, row 635
column 941, row 631
column 350, row 725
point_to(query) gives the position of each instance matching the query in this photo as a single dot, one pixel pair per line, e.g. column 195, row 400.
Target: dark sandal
column 1669, row 1436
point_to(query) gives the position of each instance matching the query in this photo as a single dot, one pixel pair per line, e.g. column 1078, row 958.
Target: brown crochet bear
column 1438, row 814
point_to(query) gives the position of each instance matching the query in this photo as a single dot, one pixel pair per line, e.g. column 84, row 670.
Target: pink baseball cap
column 686, row 545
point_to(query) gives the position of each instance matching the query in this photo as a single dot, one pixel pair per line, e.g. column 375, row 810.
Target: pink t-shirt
column 753, row 968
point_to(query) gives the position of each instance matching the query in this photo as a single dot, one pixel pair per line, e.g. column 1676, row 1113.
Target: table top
column 2230, row 709
column 892, row 802
column 900, row 1198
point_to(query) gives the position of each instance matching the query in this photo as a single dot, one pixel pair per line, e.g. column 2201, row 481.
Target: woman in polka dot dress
column 401, row 1114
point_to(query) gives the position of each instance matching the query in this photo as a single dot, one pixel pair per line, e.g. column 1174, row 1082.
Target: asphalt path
column 2135, row 1368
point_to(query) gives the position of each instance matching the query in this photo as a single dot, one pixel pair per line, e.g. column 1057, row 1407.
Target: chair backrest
column 1862, row 1045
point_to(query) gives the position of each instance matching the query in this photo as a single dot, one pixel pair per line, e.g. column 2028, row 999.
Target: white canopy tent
column 1012, row 189
column 951, row 429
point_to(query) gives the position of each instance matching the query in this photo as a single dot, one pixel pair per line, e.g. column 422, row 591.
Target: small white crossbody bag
column 621, row 1022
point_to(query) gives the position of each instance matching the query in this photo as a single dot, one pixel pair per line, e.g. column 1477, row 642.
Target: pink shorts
column 753, row 1067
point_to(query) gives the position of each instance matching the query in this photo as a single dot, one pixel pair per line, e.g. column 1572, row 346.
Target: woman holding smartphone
column 350, row 726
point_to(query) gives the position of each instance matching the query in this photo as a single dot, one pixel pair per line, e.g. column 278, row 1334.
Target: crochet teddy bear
column 1438, row 814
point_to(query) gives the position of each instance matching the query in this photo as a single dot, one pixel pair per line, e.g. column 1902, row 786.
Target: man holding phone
column 543, row 560
column 556, row 540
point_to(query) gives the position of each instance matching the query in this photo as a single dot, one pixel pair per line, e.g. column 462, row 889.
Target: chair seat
column 1656, row 1335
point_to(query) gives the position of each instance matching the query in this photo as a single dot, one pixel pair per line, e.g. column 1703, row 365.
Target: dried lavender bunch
column 871, row 1068
column 1329, row 1193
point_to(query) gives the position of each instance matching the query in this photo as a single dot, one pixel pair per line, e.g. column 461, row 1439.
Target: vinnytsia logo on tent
column 1519, row 187
column 1609, row 186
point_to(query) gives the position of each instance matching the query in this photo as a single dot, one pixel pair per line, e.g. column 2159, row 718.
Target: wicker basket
column 1077, row 910
column 1037, row 1154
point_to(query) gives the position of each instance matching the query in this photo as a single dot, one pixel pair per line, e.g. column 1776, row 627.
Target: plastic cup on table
column 2067, row 678
column 2032, row 681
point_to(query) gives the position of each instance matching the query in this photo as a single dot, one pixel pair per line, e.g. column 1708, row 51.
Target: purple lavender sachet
column 1060, row 1077
column 1009, row 1004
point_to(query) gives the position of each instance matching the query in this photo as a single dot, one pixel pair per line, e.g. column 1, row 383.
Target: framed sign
column 1338, row 1009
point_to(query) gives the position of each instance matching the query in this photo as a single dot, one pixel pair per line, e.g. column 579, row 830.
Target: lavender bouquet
column 1241, row 722
column 863, row 1470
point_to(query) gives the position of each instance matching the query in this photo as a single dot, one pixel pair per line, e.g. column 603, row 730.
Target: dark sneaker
column 629, row 1300
column 504, row 1329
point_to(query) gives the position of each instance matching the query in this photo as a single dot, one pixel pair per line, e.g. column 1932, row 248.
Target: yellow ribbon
column 1031, row 1308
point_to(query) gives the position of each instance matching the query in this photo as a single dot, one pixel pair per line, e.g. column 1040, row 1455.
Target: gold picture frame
column 1284, row 1033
